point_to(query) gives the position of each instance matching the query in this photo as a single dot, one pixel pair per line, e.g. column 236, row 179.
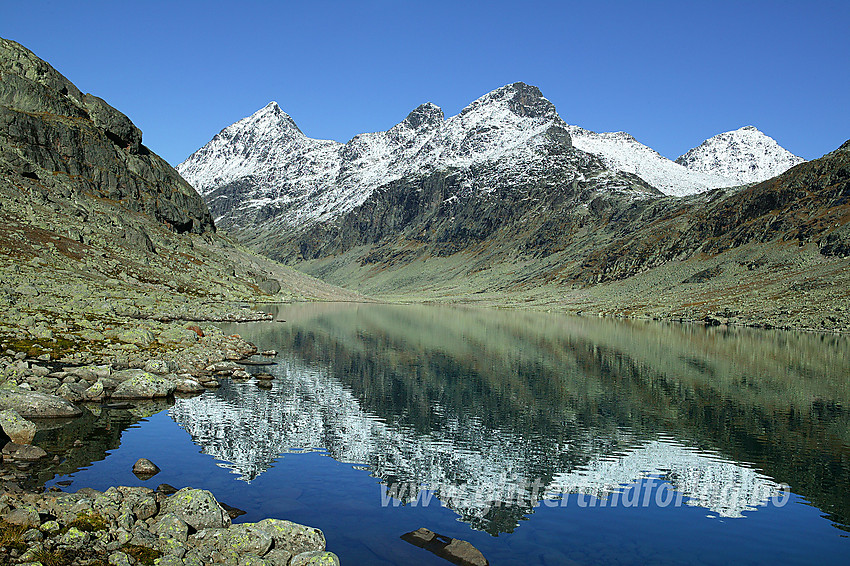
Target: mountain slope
column 500, row 205
column 745, row 155
column 622, row 152
column 264, row 170
column 95, row 227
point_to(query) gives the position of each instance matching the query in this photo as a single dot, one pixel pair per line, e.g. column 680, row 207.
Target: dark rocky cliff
column 75, row 144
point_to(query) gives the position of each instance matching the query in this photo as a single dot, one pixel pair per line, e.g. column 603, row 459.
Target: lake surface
column 539, row 438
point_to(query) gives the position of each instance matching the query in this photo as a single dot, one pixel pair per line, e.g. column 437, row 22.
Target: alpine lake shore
column 62, row 357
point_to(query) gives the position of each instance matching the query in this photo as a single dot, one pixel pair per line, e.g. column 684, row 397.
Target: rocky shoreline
column 49, row 371
column 126, row 526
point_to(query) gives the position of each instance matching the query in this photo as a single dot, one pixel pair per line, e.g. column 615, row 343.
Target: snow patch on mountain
column 622, row 152
column 746, row 155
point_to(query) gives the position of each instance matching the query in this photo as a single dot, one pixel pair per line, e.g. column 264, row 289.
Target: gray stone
column 292, row 537
column 25, row 516
column 29, row 453
column 31, row 404
column 144, row 467
column 188, row 386
column 248, row 539
column 73, row 392
column 75, row 539
column 158, row 367
column 170, row 526
column 144, row 385
column 138, row 336
column 278, row 557
column 118, row 558
column 95, row 392
column 454, row 550
column 20, row 430
column 315, row 558
column 197, row 507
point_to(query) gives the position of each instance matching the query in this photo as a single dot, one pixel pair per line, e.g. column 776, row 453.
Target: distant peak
column 748, row 129
column 427, row 114
column 273, row 112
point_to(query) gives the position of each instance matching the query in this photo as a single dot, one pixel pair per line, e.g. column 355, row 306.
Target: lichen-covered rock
column 198, row 508
column 178, row 336
column 247, row 538
column 32, row 404
column 95, row 391
column 75, row 539
column 292, row 537
column 144, row 385
column 72, row 392
column 170, row 526
column 159, row 367
column 315, row 558
column 23, row 515
column 20, row 430
column 138, row 336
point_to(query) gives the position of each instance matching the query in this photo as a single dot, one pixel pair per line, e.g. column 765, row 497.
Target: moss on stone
column 89, row 522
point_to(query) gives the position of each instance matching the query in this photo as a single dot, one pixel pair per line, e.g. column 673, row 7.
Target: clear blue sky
column 670, row 73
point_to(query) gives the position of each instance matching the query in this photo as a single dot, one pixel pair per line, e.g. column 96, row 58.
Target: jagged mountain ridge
column 541, row 221
column 264, row 167
column 745, row 155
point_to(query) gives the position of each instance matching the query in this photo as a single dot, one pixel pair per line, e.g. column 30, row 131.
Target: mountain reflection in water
column 494, row 411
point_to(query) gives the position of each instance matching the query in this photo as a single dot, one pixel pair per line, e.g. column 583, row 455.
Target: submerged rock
column 145, row 469
column 454, row 550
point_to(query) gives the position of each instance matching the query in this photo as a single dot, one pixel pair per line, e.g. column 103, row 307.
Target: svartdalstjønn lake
column 539, row 438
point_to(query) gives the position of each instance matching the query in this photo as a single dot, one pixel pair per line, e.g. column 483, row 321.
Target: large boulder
column 31, row 404
column 144, row 385
column 198, row 508
column 292, row 537
column 19, row 430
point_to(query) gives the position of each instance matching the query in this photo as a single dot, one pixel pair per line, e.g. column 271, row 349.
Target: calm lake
column 539, row 438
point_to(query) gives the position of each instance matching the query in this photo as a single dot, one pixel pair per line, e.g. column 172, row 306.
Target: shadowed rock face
column 76, row 145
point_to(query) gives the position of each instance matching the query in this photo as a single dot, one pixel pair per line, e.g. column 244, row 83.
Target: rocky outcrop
column 83, row 146
column 32, row 404
column 132, row 525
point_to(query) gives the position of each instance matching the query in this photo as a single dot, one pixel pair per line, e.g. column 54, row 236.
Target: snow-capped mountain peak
column 264, row 160
column 622, row 152
column 746, row 155
column 424, row 116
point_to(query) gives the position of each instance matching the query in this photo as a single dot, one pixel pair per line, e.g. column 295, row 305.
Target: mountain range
column 264, row 167
column 505, row 203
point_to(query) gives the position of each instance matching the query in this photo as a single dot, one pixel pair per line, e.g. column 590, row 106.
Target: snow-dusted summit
column 264, row 161
column 263, row 168
column 622, row 152
column 745, row 155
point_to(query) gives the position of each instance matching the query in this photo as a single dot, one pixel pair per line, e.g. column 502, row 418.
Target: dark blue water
column 540, row 439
